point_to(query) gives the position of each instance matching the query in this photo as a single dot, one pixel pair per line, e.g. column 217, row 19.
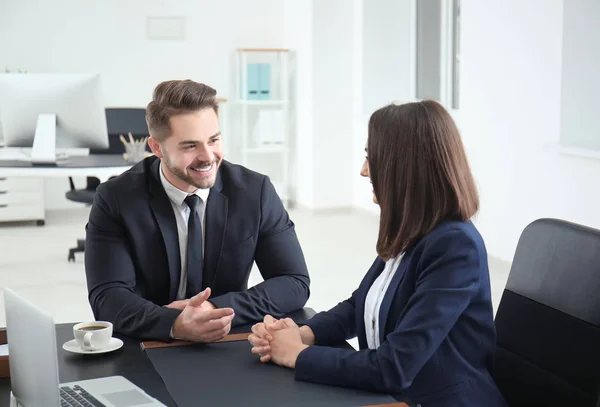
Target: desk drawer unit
column 21, row 184
column 21, row 199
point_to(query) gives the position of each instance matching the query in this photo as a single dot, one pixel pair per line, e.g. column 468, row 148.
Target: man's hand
column 180, row 305
column 197, row 322
column 208, row 306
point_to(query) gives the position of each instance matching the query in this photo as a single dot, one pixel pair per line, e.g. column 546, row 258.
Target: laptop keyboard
column 77, row 397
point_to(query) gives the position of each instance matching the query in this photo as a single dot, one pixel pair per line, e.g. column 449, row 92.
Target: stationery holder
column 135, row 150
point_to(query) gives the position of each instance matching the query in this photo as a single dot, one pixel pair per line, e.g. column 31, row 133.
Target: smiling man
column 170, row 243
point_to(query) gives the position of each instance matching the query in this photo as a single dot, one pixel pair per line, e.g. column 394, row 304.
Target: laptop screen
column 32, row 352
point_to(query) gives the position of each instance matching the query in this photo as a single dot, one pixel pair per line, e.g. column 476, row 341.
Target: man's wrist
column 176, row 329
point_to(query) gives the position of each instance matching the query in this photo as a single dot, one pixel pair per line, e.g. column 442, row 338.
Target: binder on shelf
column 258, row 82
column 269, row 129
column 262, row 129
column 264, row 83
column 277, row 128
column 253, row 75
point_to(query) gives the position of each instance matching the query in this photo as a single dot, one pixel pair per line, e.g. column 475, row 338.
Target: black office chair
column 86, row 196
column 548, row 321
column 119, row 121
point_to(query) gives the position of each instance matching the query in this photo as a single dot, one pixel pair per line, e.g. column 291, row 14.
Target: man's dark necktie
column 194, row 248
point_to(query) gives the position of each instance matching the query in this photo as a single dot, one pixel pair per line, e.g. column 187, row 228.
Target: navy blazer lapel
column 215, row 221
column 384, row 310
column 368, row 281
column 163, row 213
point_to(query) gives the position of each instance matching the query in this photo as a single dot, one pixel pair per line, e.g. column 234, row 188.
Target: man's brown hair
column 176, row 97
column 419, row 172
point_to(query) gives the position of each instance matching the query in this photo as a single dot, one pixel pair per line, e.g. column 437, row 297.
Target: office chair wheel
column 71, row 255
column 40, row 222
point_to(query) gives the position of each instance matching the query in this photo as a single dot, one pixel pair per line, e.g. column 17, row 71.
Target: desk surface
column 129, row 361
column 88, row 165
column 77, row 161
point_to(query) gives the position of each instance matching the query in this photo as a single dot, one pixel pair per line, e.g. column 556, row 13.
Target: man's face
column 193, row 152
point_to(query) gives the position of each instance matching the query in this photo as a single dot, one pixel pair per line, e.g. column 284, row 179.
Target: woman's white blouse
column 374, row 299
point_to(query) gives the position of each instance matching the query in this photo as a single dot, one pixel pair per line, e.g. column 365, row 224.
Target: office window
column 580, row 86
column 438, row 51
column 455, row 53
column 429, row 45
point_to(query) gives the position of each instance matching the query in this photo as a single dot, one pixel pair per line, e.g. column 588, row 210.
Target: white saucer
column 113, row 344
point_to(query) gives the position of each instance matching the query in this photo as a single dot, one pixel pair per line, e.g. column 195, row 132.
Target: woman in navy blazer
column 423, row 313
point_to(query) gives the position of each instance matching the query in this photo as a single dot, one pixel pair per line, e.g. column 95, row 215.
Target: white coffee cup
column 94, row 335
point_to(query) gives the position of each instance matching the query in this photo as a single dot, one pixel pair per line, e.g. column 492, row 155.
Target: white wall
column 510, row 109
column 511, row 57
column 581, row 74
column 386, row 44
column 387, row 76
column 327, row 39
column 109, row 37
column 335, row 97
column 510, row 103
column 298, row 35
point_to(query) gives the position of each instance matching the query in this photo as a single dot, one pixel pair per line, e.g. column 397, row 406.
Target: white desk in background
column 22, row 188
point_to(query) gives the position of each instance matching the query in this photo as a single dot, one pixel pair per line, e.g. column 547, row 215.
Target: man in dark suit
column 170, row 243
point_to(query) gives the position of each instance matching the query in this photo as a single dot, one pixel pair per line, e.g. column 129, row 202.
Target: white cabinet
column 22, row 199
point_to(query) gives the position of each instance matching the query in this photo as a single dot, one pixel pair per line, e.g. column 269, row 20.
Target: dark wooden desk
column 130, row 361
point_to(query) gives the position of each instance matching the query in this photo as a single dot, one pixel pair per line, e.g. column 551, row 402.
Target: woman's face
column 364, row 171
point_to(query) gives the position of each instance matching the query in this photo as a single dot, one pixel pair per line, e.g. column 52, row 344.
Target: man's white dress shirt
column 182, row 213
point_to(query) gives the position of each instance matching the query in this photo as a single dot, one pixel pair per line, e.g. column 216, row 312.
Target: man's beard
column 204, row 184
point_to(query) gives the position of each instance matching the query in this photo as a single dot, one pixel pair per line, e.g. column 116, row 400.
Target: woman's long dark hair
column 419, row 172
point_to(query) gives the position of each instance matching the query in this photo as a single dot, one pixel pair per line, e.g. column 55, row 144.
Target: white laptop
column 34, row 366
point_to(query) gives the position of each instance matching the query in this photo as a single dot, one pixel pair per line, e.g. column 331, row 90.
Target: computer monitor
column 49, row 111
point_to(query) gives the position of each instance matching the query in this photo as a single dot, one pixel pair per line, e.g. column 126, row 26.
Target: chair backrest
column 123, row 120
column 548, row 321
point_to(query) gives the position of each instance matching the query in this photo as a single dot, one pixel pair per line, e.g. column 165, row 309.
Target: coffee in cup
column 92, row 327
column 93, row 335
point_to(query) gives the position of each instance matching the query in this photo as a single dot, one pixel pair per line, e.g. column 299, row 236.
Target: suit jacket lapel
column 163, row 213
column 391, row 293
column 370, row 277
column 215, row 223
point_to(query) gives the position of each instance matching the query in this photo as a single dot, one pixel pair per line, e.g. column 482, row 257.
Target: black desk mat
column 228, row 374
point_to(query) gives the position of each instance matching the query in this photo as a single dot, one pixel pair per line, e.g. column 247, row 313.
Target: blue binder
column 253, row 74
column 264, row 83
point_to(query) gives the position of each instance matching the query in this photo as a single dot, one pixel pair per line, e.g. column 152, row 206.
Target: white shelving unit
column 265, row 123
column 262, row 102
